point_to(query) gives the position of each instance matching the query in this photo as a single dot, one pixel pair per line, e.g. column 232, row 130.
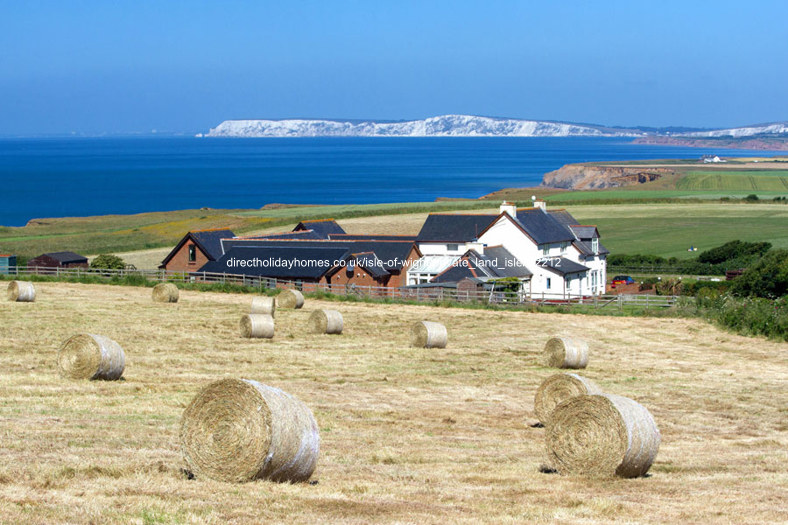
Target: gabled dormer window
column 595, row 245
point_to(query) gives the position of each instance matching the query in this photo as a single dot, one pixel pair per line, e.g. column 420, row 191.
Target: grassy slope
column 407, row 435
column 124, row 233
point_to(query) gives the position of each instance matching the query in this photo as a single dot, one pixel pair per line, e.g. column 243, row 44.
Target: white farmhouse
column 551, row 255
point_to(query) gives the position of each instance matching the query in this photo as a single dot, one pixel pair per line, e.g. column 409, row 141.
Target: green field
column 124, row 233
column 771, row 181
column 670, row 229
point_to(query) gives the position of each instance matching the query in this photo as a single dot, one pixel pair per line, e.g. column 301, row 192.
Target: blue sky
column 115, row 67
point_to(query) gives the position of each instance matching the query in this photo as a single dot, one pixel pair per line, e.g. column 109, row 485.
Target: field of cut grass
column 770, row 181
column 407, row 435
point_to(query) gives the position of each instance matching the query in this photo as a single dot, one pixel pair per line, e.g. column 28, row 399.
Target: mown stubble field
column 408, row 435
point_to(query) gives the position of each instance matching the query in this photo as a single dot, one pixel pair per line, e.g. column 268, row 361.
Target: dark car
column 622, row 279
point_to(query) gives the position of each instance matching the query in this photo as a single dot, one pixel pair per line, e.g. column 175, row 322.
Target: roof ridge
column 318, row 220
column 210, row 230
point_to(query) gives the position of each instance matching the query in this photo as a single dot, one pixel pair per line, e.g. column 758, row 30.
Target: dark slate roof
column 210, row 241
column 67, row 257
column 543, row 227
column 392, row 253
column 585, row 248
column 496, row 263
column 508, row 265
column 372, row 264
column 562, row 266
column 283, row 262
column 301, row 234
column 370, row 237
column 453, row 227
column 323, row 228
column 584, row 232
column 563, row 216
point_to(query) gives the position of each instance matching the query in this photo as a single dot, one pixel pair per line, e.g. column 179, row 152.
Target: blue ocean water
column 80, row 177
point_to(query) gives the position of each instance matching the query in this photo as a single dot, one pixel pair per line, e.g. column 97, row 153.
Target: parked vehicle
column 622, row 279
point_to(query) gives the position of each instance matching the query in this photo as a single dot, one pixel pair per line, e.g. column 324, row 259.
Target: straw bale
column 429, row 334
column 89, row 356
column 240, row 430
column 263, row 305
column 602, row 435
column 21, row 291
column 165, row 293
column 291, row 299
column 558, row 388
column 566, row 352
column 325, row 322
column 257, row 326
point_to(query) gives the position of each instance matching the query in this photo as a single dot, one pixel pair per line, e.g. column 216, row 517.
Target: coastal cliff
column 763, row 142
column 592, row 177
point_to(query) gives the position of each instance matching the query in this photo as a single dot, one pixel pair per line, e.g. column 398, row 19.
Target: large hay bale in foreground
column 428, row 334
column 257, row 326
column 21, row 291
column 558, row 388
column 292, row 299
column 602, row 435
column 165, row 293
column 88, row 356
column 325, row 322
column 566, row 352
column 240, row 430
column 263, row 305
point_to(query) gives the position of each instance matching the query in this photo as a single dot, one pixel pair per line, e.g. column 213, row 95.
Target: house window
column 564, row 246
column 452, row 247
column 192, row 253
column 595, row 245
column 548, row 283
column 546, row 249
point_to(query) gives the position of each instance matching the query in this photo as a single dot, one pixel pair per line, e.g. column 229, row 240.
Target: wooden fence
column 410, row 293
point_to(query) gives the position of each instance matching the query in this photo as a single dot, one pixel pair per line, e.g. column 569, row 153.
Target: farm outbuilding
column 59, row 260
column 6, row 261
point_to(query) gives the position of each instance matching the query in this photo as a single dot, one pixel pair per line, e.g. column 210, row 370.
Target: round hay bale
column 325, row 322
column 257, row 326
column 21, row 291
column 428, row 334
column 240, row 430
column 558, row 388
column 263, row 305
column 165, row 293
column 566, row 352
column 88, row 356
column 602, row 435
column 292, row 299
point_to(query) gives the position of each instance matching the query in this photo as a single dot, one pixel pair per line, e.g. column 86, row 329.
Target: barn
column 58, row 260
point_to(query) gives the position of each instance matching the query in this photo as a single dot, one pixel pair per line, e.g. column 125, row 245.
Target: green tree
column 767, row 278
column 107, row 261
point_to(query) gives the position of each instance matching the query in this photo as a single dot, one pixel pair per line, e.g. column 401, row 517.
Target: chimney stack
column 539, row 203
column 509, row 208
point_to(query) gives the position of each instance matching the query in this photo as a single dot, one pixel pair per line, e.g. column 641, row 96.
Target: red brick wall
column 180, row 261
column 401, row 279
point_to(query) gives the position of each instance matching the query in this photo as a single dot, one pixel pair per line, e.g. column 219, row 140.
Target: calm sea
column 79, row 177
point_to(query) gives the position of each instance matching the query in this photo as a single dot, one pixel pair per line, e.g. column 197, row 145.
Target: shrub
column 751, row 198
column 108, row 262
column 734, row 250
column 766, row 278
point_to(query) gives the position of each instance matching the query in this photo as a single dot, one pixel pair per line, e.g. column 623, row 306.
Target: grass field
column 408, row 435
column 126, row 233
column 772, row 181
